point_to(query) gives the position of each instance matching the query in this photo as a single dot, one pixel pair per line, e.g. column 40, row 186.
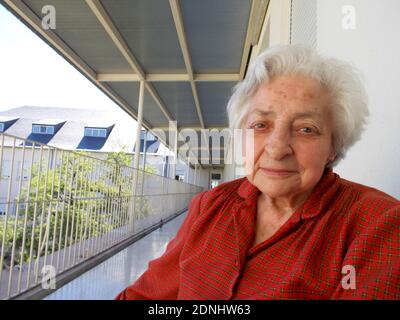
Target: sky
column 32, row 73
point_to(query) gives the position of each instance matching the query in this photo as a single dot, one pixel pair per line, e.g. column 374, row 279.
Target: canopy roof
column 189, row 53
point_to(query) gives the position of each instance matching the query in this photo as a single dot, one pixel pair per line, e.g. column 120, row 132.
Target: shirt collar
column 320, row 197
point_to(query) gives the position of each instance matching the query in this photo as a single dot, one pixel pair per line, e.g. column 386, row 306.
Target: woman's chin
column 277, row 187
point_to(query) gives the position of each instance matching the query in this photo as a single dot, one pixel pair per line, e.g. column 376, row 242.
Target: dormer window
column 98, row 130
column 95, row 132
column 47, row 126
column 42, row 129
column 6, row 122
column 148, row 135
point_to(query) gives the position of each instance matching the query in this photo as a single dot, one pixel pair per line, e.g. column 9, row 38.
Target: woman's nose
column 278, row 144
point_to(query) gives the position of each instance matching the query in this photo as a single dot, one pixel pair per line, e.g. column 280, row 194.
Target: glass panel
column 43, row 129
column 50, row 130
column 1, row 127
column 6, row 169
column 95, row 132
column 35, row 129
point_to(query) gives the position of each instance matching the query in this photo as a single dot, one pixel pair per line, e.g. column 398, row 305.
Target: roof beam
column 229, row 77
column 177, row 15
column 168, row 77
column 257, row 12
column 118, row 77
column 105, row 20
column 262, row 40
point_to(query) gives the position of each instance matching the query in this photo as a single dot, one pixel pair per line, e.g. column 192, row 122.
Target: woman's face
column 292, row 129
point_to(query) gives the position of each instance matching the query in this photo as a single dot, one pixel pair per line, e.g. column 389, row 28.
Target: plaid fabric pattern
column 342, row 223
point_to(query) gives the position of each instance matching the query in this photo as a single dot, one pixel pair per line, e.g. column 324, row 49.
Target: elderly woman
column 292, row 228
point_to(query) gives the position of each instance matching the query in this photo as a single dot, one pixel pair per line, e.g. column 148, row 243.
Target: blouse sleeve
column 374, row 256
column 161, row 280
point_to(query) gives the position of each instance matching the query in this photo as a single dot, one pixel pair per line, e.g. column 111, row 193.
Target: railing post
column 144, row 167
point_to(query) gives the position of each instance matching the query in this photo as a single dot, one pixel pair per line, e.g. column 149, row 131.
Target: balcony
column 64, row 212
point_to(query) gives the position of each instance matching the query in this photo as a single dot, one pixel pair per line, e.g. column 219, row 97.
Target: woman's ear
column 332, row 156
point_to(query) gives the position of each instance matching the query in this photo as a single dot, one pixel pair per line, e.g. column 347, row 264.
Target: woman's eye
column 307, row 130
column 259, row 126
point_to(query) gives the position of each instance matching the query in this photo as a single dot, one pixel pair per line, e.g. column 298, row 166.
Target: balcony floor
column 106, row 280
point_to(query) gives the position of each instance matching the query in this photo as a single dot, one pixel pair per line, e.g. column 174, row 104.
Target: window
column 3, row 205
column 42, row 129
column 215, row 176
column 149, row 136
column 1, row 126
column 6, row 169
column 96, row 132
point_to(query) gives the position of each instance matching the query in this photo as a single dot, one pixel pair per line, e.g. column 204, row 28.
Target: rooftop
column 6, row 119
column 71, row 134
column 49, row 122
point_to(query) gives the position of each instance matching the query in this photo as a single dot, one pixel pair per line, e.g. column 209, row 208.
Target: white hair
column 349, row 103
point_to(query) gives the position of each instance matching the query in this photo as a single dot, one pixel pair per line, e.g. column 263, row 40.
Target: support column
column 133, row 206
column 195, row 174
column 139, row 126
column 164, row 174
column 175, row 152
column 188, row 169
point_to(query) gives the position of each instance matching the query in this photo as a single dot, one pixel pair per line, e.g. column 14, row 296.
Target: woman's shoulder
column 219, row 194
column 371, row 201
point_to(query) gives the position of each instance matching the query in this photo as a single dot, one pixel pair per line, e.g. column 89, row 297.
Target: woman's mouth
column 272, row 172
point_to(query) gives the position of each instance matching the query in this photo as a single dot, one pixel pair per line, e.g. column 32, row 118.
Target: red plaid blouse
column 342, row 223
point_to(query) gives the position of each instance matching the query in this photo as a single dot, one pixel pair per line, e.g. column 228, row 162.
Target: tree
column 121, row 160
column 78, row 198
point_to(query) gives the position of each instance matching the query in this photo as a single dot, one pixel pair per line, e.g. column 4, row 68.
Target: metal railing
column 59, row 208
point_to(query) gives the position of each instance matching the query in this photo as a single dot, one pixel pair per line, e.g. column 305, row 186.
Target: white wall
column 202, row 177
column 374, row 47
column 280, row 19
